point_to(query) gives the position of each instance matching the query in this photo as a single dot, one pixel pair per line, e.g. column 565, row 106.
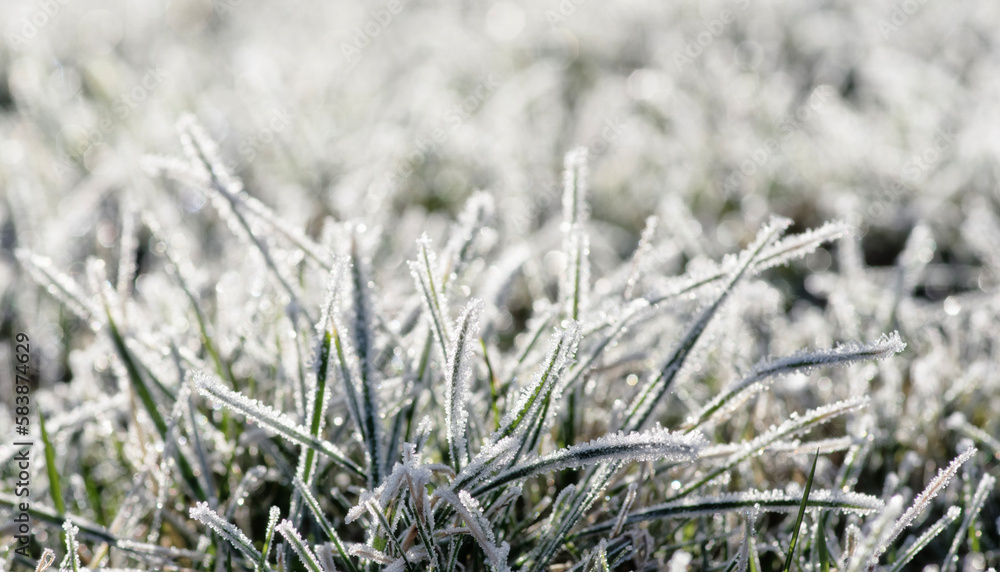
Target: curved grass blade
column 656, row 443
column 645, row 402
column 274, row 420
column 227, row 530
column 766, row 501
column 293, row 537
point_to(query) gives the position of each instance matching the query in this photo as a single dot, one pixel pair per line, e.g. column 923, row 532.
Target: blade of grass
column 798, row 519
column 55, row 486
column 323, row 523
column 149, row 403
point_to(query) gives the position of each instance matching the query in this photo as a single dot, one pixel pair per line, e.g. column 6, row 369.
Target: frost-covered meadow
column 555, row 285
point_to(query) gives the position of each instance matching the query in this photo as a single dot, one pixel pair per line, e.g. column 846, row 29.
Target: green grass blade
column 324, row 524
column 142, row 390
column 925, row 539
column 55, row 485
column 798, row 519
column 821, row 548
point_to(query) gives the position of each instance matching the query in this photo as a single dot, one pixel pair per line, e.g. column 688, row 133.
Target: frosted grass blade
column 273, row 420
column 657, row 443
column 920, row 503
column 767, row 501
column 292, row 536
column 645, row 402
column 924, row 539
column 972, row 509
column 740, row 392
column 363, row 345
column 202, row 513
column 458, row 381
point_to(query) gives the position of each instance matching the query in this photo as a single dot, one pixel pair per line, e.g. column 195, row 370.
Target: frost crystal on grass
column 530, row 399
column 458, row 374
column 479, row 527
column 740, row 392
column 204, row 514
column 208, row 402
column 306, row 555
column 920, row 503
column 654, row 444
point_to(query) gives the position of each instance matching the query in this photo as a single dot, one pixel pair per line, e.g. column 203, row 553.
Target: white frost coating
column 760, row 377
column 266, row 214
column 291, row 534
column 72, row 559
column 799, row 245
column 633, row 489
column 203, row 153
column 797, row 424
column 479, row 527
column 490, row 459
column 273, row 514
column 325, row 554
column 369, row 553
column 174, row 168
column 458, row 380
column 652, row 392
column 575, row 287
column 657, row 443
column 479, row 208
column 204, row 514
column 422, row 269
column 575, row 170
column 508, row 496
column 60, row 285
column 767, row 237
column 920, row 503
column 774, row 254
column 654, row 444
column 637, row 267
column 794, row 426
column 766, row 501
column 363, row 338
column 333, row 279
column 575, row 280
column 266, row 415
column 971, row 510
column 146, row 548
column 920, row 543
column 408, row 477
column 562, row 349
column 560, row 506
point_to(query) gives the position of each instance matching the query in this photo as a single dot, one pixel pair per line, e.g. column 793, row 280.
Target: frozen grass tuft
column 286, row 396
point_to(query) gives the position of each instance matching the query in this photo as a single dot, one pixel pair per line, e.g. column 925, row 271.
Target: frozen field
column 555, row 285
